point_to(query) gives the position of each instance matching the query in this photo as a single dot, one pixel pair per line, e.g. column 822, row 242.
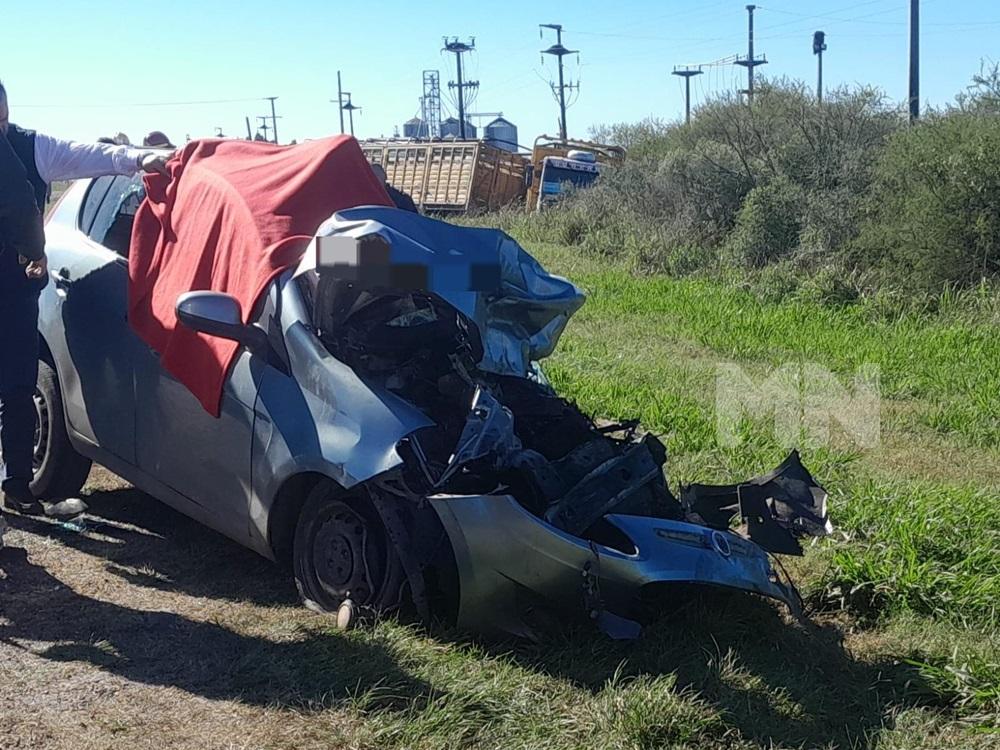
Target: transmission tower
column 557, row 50
column 750, row 62
column 430, row 103
column 458, row 49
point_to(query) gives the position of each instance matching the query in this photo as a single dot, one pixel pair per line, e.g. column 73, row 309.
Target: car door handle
column 62, row 278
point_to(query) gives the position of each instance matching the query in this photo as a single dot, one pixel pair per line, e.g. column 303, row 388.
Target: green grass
column 918, row 517
column 948, row 368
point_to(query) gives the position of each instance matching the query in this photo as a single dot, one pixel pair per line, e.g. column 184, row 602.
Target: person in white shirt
column 45, row 159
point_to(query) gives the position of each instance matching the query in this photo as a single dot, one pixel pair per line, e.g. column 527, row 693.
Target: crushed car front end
column 537, row 500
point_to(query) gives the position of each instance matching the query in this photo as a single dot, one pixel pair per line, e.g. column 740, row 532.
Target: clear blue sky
column 80, row 69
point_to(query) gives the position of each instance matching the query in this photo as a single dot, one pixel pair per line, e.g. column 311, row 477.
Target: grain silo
column 501, row 133
column 415, row 128
column 450, row 129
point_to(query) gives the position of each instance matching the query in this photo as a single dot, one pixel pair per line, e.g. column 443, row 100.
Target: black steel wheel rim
column 348, row 559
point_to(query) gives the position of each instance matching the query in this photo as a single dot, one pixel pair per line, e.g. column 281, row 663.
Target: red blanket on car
column 230, row 217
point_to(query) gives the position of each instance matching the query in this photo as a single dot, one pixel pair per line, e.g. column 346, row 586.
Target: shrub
column 840, row 196
column 688, row 185
column 934, row 216
column 768, row 225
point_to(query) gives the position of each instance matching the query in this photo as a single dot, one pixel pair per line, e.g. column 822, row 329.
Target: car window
column 95, row 194
column 113, row 224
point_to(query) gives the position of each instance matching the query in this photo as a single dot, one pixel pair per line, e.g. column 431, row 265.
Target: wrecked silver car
column 386, row 429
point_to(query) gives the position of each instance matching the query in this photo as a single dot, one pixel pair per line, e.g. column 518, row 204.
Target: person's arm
column 18, row 209
column 56, row 159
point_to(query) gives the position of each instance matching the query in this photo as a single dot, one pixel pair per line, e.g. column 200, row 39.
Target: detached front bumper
column 500, row 547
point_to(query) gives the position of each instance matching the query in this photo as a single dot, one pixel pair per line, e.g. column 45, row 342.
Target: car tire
column 342, row 551
column 59, row 471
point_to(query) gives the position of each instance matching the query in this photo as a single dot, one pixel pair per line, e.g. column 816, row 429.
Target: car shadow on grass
column 304, row 665
column 773, row 682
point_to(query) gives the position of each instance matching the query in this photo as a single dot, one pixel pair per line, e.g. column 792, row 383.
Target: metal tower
column 430, row 104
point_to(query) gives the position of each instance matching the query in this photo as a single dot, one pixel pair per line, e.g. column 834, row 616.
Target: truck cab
column 577, row 169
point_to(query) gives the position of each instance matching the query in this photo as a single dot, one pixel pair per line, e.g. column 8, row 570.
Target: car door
column 204, row 458
column 175, row 441
column 90, row 283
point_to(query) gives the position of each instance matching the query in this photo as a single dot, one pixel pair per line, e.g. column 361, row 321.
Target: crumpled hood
column 520, row 309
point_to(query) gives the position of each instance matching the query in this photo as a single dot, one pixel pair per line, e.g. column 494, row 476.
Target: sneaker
column 22, row 502
column 68, row 508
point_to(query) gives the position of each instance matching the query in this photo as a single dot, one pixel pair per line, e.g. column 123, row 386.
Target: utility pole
column 349, row 107
column 750, row 62
column 458, row 49
column 249, row 132
column 557, row 50
column 687, row 72
column 340, row 103
column 274, row 119
column 914, row 60
column 819, row 47
column 263, row 126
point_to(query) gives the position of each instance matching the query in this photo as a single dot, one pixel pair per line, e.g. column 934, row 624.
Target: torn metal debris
column 775, row 509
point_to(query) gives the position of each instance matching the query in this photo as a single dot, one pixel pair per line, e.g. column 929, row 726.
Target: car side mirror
column 220, row 315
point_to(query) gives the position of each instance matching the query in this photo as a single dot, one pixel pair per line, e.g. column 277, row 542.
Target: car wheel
column 342, row 551
column 59, row 471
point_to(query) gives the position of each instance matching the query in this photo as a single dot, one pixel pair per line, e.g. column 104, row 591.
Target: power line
column 142, row 104
column 647, row 20
column 817, row 16
column 832, row 20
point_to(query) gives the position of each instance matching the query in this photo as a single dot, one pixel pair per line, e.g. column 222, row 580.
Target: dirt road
column 94, row 652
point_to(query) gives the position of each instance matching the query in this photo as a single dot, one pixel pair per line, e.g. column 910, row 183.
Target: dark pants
column 18, row 372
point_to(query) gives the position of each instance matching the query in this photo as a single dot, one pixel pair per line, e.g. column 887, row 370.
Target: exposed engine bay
column 492, row 431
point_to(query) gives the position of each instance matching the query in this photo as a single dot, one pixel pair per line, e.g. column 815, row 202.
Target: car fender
column 320, row 418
